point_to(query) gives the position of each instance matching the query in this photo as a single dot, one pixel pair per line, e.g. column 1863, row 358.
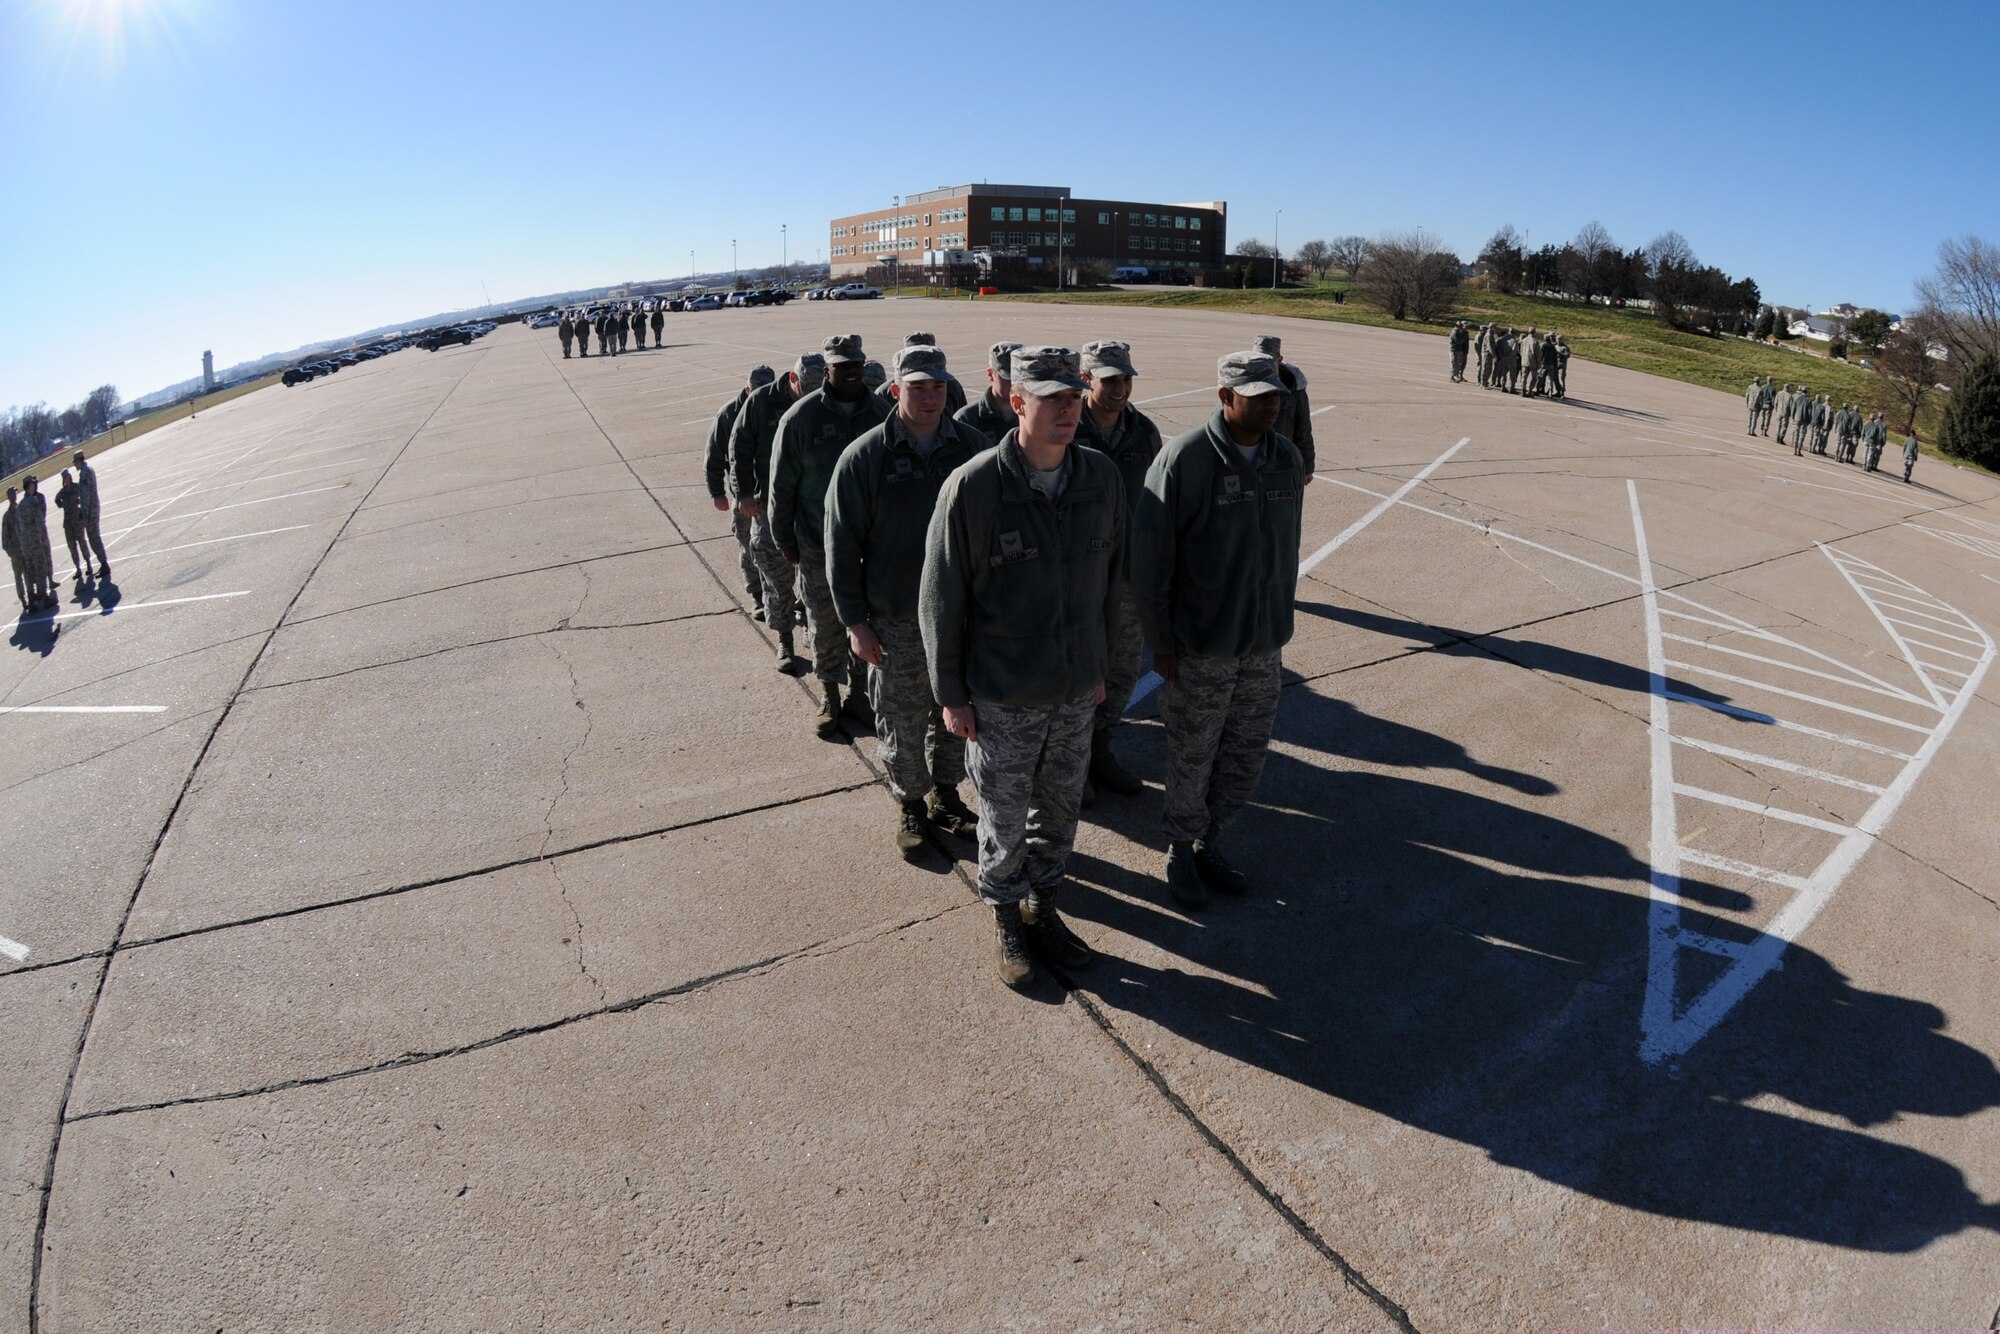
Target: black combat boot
column 913, row 829
column 1106, row 771
column 948, row 812
column 1216, row 871
column 1183, row 880
column 786, row 653
column 859, row 709
column 1048, row 934
column 1010, row 946
column 827, row 721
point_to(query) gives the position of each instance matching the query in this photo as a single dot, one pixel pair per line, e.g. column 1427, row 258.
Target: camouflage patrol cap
column 843, row 348
column 999, row 358
column 761, row 375
column 873, row 375
column 1250, row 373
column 918, row 337
column 1269, row 344
column 811, row 370
column 920, row 361
column 1045, row 371
column 1107, row 357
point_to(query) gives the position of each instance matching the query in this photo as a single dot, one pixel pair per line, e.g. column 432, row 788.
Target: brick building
column 1040, row 222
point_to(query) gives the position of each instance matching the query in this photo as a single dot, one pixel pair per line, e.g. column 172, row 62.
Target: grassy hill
column 132, row 429
column 1631, row 339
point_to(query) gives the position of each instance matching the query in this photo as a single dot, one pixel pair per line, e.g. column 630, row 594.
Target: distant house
column 1818, row 328
column 1846, row 310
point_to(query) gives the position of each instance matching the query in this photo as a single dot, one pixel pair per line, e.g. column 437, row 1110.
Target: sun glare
column 110, row 27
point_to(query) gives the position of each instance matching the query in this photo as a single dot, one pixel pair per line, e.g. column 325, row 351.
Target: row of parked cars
column 844, row 292
column 428, row 339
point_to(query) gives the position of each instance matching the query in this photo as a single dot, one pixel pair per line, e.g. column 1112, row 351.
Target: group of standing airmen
column 613, row 325
column 1813, row 420
column 1533, row 365
column 24, row 534
column 979, row 583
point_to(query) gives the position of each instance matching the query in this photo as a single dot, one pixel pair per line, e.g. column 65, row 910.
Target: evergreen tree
column 1972, row 414
column 1766, row 322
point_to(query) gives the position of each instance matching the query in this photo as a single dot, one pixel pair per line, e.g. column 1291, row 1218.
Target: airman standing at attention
column 603, row 333
column 1871, row 460
column 1295, row 415
column 10, row 542
column 566, row 330
column 659, row 322
column 878, row 511
column 1482, row 347
column 1019, row 594
column 1114, row 428
column 92, row 512
column 750, row 439
column 1461, row 343
column 875, row 379
column 1554, row 351
column 1770, row 403
column 810, row 439
column 954, row 401
column 31, row 531
column 992, row 415
column 1215, row 566
column 720, row 492
column 1753, row 402
column 1531, row 364
column 69, row 499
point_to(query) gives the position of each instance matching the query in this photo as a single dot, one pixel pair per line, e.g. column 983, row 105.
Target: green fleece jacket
column 878, row 512
column 750, row 438
column 811, row 437
column 988, row 415
column 717, row 470
column 1132, row 443
column 1215, row 545
column 1020, row 592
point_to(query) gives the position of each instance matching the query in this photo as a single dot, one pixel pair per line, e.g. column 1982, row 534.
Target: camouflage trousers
column 20, row 579
column 1485, row 369
column 1754, row 414
column 1218, row 713
column 566, row 339
column 746, row 555
column 1028, row 767
column 910, row 736
column 1121, row 671
column 1457, row 364
column 829, row 636
column 778, row 575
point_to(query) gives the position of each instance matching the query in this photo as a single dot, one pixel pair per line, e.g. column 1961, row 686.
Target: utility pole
column 785, row 248
column 1062, row 210
column 735, row 276
column 690, row 266
column 1276, row 251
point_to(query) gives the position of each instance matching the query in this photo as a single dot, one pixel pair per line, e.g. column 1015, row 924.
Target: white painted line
column 1948, row 671
column 123, row 607
column 1909, row 654
column 1800, row 696
column 1774, row 812
column 1328, row 408
column 1716, row 862
column 205, row 542
column 1773, row 762
column 1904, row 602
column 13, row 949
column 1785, row 725
column 237, row 505
column 1707, row 944
column 1388, row 502
column 1848, row 681
column 123, row 532
column 1940, row 648
column 83, row 708
column 1849, row 491
column 248, row 481
column 1658, row 1005
column 1933, row 630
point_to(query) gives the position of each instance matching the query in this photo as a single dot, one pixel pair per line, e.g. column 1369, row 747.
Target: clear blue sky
column 249, row 175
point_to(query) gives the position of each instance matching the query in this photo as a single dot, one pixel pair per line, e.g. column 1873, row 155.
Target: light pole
column 690, row 266
column 785, row 248
column 1275, row 251
column 735, row 277
column 1062, row 211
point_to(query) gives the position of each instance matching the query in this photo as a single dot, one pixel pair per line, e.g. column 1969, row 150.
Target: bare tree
column 1501, row 259
column 1583, row 258
column 1961, row 300
column 1350, row 253
column 1907, row 369
column 1251, row 248
column 98, row 407
column 1411, row 275
column 1315, row 255
column 1675, row 275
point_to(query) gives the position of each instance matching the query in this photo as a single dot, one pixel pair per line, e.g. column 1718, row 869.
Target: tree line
column 30, row 434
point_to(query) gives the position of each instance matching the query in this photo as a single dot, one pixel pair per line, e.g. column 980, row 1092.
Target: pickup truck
column 852, row 292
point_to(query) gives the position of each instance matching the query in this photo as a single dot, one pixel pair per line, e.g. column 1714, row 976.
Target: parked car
column 738, row 300
column 852, row 292
column 705, row 303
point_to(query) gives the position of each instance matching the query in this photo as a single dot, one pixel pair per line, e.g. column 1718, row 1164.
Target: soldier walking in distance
column 878, row 511
column 992, row 415
column 1020, row 591
column 750, row 440
column 1461, row 343
column 91, row 511
column 566, row 330
column 811, row 437
column 1910, row 450
column 69, row 499
column 1784, row 409
column 1215, row 566
column 1753, row 402
column 722, row 496
column 1295, row 415
column 659, row 322
column 31, row 531
column 1114, row 428
column 10, row 542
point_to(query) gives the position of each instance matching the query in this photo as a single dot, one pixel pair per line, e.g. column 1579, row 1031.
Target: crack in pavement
column 549, row 816
column 485, row 579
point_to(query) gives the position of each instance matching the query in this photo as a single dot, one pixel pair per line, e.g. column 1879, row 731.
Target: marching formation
column 1533, row 365
column 1814, row 421
column 24, row 533
column 614, row 326
column 980, row 584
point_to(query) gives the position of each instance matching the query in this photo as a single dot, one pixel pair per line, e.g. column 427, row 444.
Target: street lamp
column 690, row 266
column 735, row 277
column 1275, row 250
column 785, row 248
column 1061, row 213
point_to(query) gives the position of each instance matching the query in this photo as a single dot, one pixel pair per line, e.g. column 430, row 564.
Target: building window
column 1104, row 219
column 1034, row 215
column 1014, row 239
column 1194, row 224
column 999, row 213
column 1152, row 221
column 1013, row 215
column 1180, row 223
column 1180, row 243
column 1069, row 216
column 1069, row 238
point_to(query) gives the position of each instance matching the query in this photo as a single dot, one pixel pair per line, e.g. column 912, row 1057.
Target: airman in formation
column 1530, row 364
